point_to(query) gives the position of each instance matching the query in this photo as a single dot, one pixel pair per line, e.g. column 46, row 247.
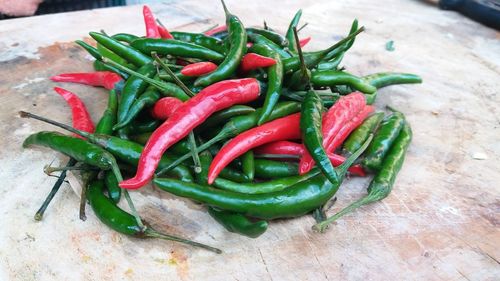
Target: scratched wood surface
column 441, row 222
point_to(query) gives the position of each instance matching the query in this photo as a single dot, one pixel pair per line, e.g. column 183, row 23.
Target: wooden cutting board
column 441, row 222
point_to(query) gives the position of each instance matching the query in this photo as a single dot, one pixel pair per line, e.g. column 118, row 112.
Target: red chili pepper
column 253, row 61
column 165, row 107
column 190, row 114
column 285, row 128
column 348, row 128
column 198, row 69
column 80, row 115
column 164, row 33
column 293, row 148
column 249, row 45
column 106, row 79
column 215, row 30
column 304, row 41
column 150, row 22
column 345, row 109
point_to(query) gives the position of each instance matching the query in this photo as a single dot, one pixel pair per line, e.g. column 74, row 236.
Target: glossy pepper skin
column 248, row 165
column 262, row 40
column 150, row 22
column 277, row 38
column 252, row 61
column 189, row 115
column 198, row 69
column 330, row 78
column 176, row 48
column 114, row 191
column 345, row 109
column 108, row 119
column 310, row 127
column 237, row 223
column 274, row 81
column 238, row 40
column 221, row 117
column 292, row 43
column 127, row 52
column 358, row 136
column 203, row 40
column 146, row 99
column 125, row 37
column 284, row 128
column 384, row 79
column 382, row 141
column 81, row 117
column 381, row 185
column 269, row 169
column 104, row 79
column 165, row 107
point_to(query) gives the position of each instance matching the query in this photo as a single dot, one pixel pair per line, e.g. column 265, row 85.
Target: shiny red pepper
column 150, row 22
column 345, row 109
column 215, row 30
column 293, row 148
column 165, row 107
column 164, row 33
column 80, row 115
column 106, row 79
column 253, row 61
column 198, row 69
column 286, row 128
column 190, row 114
column 304, row 41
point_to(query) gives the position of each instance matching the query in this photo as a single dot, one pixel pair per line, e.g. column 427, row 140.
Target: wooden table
column 441, row 222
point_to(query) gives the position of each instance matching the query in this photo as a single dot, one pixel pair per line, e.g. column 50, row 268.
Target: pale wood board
column 441, row 222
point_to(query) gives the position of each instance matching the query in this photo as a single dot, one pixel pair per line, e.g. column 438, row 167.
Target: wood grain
column 441, row 222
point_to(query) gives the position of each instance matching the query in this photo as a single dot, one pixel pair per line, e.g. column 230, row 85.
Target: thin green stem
column 212, row 27
column 302, row 27
column 48, row 170
column 194, row 153
column 172, row 75
column 25, row 114
column 149, row 232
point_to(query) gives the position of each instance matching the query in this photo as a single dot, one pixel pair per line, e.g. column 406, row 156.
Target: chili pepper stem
column 172, row 74
column 194, row 153
column 160, row 85
column 226, row 11
column 48, row 170
column 83, row 201
column 24, row 114
column 39, row 214
column 149, row 232
column 302, row 27
column 210, row 28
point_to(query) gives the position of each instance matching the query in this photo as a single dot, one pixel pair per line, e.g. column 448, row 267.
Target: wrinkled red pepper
column 165, row 107
column 286, row 128
column 293, row 148
column 106, row 79
column 190, row 114
column 345, row 109
column 253, row 61
column 80, row 115
column 150, row 22
column 198, row 69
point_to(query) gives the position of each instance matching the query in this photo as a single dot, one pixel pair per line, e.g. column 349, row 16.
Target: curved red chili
column 80, row 115
column 165, row 107
column 106, row 79
column 198, row 68
column 293, row 148
column 150, row 22
column 304, row 41
column 285, row 128
column 190, row 114
column 253, row 61
column 346, row 108
column 215, row 30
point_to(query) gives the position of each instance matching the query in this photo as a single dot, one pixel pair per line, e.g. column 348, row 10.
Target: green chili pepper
column 269, row 169
column 223, row 115
column 141, row 126
column 128, row 53
column 341, row 51
column 331, row 64
column 248, row 165
column 176, row 48
column 234, row 175
column 328, row 78
column 141, row 138
column 296, row 200
column 121, row 221
column 382, row 183
column 237, row 223
column 384, row 79
column 200, row 39
column 238, row 40
column 112, row 56
column 147, row 99
column 240, row 124
column 166, row 77
column 274, row 81
column 386, row 134
column 114, row 190
column 108, row 119
column 132, row 89
column 125, row 37
column 361, row 133
column 262, row 40
column 269, row 34
column 312, row 136
column 292, row 42
column 100, row 66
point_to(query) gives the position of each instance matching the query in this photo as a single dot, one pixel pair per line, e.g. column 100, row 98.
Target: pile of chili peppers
column 240, row 119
